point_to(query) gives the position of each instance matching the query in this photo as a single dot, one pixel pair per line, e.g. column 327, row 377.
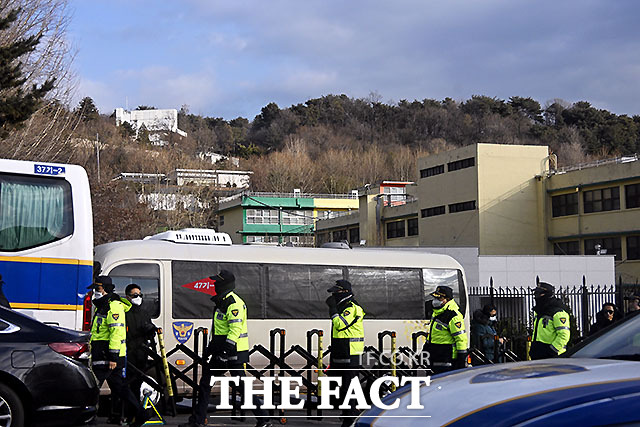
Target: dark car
column 44, row 377
column 596, row 383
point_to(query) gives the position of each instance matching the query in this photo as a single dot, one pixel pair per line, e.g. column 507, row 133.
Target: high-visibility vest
column 347, row 334
column 109, row 332
column 232, row 323
column 447, row 327
column 553, row 330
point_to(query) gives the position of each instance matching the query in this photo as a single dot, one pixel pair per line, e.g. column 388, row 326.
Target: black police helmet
column 225, row 282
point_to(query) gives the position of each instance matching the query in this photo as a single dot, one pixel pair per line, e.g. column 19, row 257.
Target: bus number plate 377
column 48, row 169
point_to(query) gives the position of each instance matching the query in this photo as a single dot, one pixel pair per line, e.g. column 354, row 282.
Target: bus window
column 433, row 277
column 190, row 304
column 299, row 291
column 145, row 275
column 388, row 293
column 33, row 211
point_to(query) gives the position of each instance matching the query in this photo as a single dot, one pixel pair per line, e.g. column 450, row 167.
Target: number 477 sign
column 206, row 285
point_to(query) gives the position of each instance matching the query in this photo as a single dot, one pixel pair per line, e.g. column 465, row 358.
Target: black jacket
column 140, row 330
column 3, row 299
column 602, row 322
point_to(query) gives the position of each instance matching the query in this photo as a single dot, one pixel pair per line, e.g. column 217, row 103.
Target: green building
column 254, row 217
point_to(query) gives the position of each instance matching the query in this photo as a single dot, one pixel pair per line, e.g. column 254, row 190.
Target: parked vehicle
column 44, row 374
column 596, row 383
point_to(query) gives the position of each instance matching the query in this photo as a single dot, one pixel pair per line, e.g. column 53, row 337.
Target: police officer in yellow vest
column 347, row 338
column 447, row 344
column 228, row 349
column 108, row 344
column 551, row 331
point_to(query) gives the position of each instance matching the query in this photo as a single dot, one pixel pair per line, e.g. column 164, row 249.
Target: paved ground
column 249, row 421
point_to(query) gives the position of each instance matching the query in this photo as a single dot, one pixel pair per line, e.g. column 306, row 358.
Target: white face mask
column 96, row 295
column 136, row 301
column 437, row 303
column 493, row 318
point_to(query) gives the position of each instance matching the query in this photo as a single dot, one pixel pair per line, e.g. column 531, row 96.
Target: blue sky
column 229, row 59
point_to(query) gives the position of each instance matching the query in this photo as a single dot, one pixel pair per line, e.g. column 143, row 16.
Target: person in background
column 108, row 347
column 446, row 343
column 605, row 317
column 483, row 331
column 634, row 303
column 551, row 331
column 140, row 334
column 4, row 302
column 347, row 339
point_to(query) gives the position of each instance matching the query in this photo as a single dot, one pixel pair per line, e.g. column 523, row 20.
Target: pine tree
column 17, row 103
column 87, row 109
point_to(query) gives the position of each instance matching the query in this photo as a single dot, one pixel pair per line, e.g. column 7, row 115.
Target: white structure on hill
column 153, row 120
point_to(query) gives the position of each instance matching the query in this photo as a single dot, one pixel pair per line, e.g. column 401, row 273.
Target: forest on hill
column 330, row 144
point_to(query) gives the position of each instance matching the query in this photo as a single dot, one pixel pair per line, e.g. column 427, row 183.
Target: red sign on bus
column 206, row 285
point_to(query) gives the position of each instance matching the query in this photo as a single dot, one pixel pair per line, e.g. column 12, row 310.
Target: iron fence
column 515, row 303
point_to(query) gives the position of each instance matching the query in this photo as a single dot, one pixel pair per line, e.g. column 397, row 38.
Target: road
column 295, row 419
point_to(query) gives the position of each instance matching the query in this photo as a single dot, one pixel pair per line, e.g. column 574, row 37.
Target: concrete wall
column 508, row 204
column 458, row 229
column 233, row 222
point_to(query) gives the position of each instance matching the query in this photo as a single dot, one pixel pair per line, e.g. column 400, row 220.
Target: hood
column 511, row 393
column 125, row 302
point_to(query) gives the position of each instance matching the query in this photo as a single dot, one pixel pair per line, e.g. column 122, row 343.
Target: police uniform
column 228, row 349
column 551, row 330
column 347, row 337
column 108, row 344
column 446, row 344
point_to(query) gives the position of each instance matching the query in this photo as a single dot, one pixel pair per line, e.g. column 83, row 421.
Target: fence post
column 585, row 307
column 491, row 297
column 620, row 294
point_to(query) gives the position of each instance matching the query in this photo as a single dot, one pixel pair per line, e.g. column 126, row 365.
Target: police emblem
column 182, row 331
column 458, row 325
column 234, row 312
column 115, row 316
column 563, row 320
column 346, row 312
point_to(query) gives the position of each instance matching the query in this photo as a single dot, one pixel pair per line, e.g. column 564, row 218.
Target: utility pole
column 98, row 154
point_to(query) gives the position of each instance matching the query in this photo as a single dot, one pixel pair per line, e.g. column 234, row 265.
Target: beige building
column 505, row 200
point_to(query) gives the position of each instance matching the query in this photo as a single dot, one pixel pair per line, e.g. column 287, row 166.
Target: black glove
column 460, row 362
column 333, row 305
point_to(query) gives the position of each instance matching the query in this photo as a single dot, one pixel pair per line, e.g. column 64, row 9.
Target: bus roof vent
column 201, row 236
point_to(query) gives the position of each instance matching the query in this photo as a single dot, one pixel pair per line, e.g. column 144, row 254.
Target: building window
column 297, row 217
column 606, row 199
column 412, row 227
column 262, row 216
column 437, row 210
column 354, row 235
column 340, row 235
column 565, row 204
column 262, row 239
column 394, row 195
column 461, row 164
column 632, row 196
column 633, row 247
column 221, row 220
column 395, row 229
column 567, row 248
column 463, row 206
column 436, row 170
column 607, row 246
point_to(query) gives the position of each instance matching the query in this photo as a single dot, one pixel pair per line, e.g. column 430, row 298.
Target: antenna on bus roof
column 200, row 236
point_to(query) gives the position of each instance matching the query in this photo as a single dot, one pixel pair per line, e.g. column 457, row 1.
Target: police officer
column 228, row 349
column 446, row 344
column 140, row 332
column 347, row 338
column 551, row 331
column 108, row 344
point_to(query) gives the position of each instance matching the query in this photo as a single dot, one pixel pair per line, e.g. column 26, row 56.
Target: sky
column 231, row 58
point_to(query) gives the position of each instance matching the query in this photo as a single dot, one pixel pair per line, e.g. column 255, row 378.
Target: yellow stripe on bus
column 71, row 307
column 45, row 260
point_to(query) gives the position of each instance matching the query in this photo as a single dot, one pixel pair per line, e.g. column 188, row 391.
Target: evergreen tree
column 17, row 103
column 87, row 109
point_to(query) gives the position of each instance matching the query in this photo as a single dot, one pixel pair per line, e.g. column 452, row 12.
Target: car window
column 145, row 275
column 620, row 342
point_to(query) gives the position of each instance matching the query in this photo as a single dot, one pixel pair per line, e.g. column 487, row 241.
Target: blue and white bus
column 46, row 239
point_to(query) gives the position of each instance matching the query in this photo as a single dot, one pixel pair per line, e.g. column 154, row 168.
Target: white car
column 596, row 383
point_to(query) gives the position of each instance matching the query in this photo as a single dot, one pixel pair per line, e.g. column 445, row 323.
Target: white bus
column 46, row 239
column 283, row 287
